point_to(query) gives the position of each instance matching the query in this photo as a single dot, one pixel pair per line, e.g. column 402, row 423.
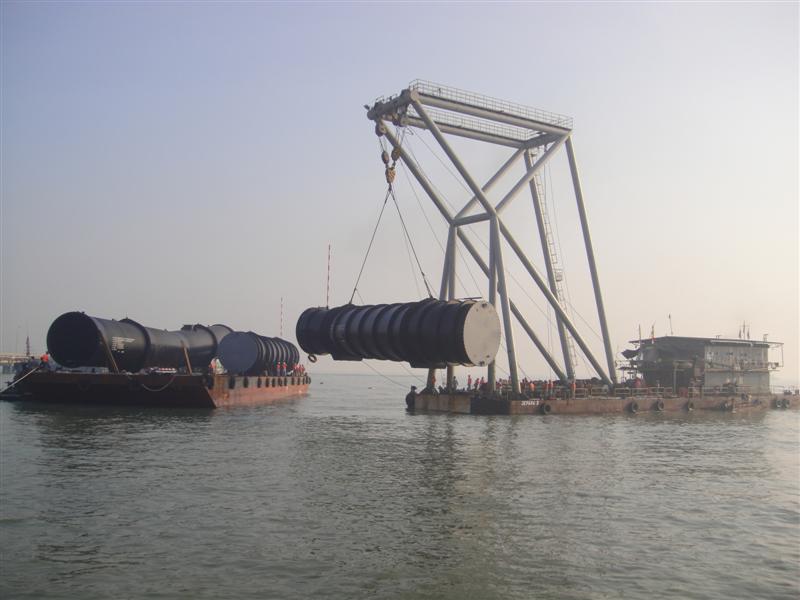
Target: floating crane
column 534, row 137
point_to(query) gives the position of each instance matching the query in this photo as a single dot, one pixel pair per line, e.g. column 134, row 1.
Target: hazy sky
column 191, row 162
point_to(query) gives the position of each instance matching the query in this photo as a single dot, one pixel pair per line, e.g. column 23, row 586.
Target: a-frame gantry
column 535, row 136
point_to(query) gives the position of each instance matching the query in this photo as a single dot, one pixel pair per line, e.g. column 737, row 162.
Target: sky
column 191, row 162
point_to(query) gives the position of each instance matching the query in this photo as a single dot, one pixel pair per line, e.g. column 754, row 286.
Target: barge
column 108, row 362
column 173, row 390
column 704, row 374
column 648, row 400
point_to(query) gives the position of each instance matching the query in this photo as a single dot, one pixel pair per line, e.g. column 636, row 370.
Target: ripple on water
column 344, row 495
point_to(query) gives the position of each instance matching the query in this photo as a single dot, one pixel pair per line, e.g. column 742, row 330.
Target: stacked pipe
column 77, row 340
column 429, row 333
column 247, row 353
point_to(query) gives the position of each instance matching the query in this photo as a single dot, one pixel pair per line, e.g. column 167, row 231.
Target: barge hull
column 464, row 403
column 159, row 389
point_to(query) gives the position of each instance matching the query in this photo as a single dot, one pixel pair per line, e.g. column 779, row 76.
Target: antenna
column 328, row 285
column 670, row 324
column 281, row 333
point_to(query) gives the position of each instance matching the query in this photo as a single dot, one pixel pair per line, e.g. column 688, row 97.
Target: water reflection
column 343, row 494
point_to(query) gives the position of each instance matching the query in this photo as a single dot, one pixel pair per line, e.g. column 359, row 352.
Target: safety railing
column 443, row 117
column 430, row 88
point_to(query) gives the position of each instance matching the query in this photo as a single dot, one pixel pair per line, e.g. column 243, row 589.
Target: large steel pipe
column 247, row 353
column 429, row 333
column 77, row 340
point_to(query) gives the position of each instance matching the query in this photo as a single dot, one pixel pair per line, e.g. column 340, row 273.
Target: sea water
column 343, row 494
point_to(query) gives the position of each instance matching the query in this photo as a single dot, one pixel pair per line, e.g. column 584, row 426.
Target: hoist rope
column 355, row 287
column 411, row 264
column 411, row 243
column 390, row 192
column 374, row 370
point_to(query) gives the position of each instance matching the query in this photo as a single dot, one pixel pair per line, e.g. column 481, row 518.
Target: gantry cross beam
column 536, row 136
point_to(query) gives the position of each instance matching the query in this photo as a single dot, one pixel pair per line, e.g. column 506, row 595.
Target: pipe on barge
column 247, row 353
column 76, row 339
column 429, row 333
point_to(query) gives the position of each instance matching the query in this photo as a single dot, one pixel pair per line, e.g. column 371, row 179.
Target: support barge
column 175, row 390
column 461, row 402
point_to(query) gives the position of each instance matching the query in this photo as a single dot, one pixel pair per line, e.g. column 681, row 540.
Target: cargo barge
column 108, row 362
column 173, row 390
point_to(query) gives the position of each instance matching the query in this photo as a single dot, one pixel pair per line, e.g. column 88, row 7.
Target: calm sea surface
column 343, row 495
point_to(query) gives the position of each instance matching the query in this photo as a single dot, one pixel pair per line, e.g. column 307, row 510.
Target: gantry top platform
column 472, row 115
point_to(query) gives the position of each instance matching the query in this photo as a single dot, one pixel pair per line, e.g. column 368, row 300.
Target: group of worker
column 539, row 388
column 281, row 369
column 278, row 369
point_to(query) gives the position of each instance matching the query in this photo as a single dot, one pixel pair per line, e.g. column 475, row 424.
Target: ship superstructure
column 707, row 364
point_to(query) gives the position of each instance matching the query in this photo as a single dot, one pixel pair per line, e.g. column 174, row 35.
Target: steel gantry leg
column 548, row 263
column 491, row 373
column 451, row 286
column 554, row 303
column 501, row 282
column 587, row 238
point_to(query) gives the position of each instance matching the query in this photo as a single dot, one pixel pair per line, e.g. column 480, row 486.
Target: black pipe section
column 247, row 353
column 77, row 340
column 429, row 333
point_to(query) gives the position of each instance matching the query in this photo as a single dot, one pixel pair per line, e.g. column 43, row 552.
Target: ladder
column 558, row 273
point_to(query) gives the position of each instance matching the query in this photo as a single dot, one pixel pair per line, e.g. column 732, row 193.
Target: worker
column 469, row 381
column 411, row 398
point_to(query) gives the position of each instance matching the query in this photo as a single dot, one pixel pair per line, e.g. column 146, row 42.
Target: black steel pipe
column 77, row 340
column 247, row 353
column 429, row 333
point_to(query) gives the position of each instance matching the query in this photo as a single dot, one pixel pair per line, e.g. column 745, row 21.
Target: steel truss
column 536, row 137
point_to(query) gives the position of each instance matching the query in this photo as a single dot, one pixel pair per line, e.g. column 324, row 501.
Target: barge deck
column 470, row 403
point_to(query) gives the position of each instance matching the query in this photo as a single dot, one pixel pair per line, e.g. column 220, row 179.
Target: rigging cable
column 384, row 376
column 390, row 175
column 411, row 243
column 385, row 200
